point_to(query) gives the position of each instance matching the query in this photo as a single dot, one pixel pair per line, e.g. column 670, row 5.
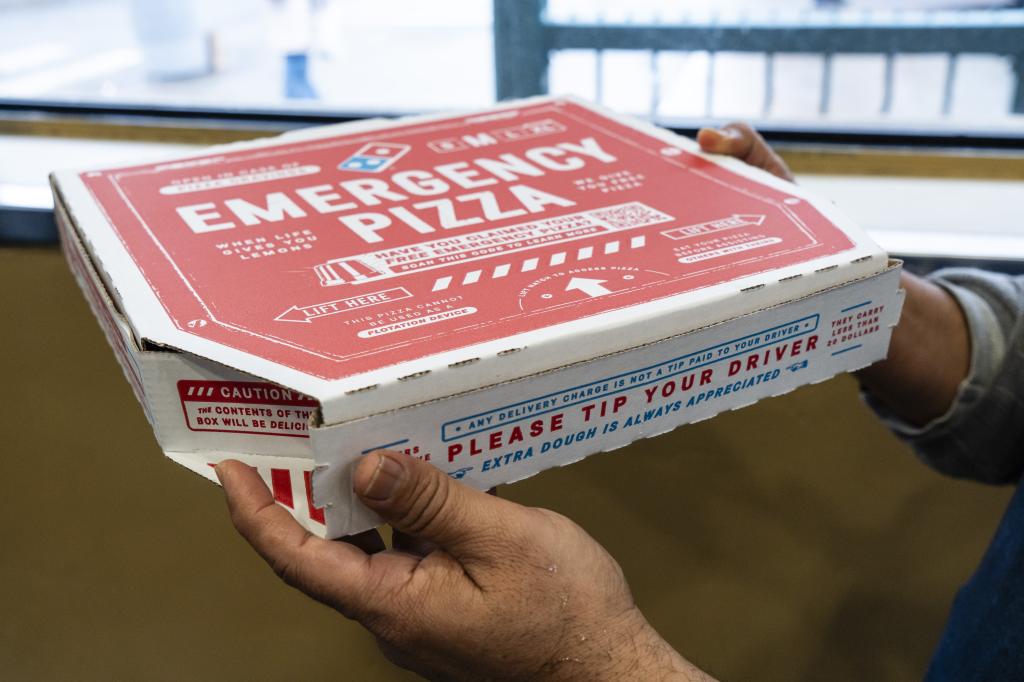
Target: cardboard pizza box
column 497, row 293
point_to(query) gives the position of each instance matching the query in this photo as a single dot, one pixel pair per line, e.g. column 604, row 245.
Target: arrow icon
column 735, row 220
column 304, row 314
column 307, row 313
column 591, row 287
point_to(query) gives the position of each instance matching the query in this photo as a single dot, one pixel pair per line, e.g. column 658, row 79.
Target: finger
column 336, row 573
column 715, row 141
column 741, row 141
column 413, row 545
column 418, row 499
column 752, row 148
column 369, row 541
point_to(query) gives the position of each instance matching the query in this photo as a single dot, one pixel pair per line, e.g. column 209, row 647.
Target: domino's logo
column 373, row 157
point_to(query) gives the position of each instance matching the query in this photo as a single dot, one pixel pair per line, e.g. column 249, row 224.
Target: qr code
column 630, row 215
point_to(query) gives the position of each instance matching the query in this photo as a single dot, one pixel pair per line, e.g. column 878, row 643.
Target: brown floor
column 794, row 540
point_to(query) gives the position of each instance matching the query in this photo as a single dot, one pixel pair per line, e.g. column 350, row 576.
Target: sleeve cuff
column 987, row 353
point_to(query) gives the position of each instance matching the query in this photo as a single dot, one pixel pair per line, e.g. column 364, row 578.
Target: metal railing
column 525, row 37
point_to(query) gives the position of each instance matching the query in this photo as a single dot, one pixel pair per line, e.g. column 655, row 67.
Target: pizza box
column 497, row 293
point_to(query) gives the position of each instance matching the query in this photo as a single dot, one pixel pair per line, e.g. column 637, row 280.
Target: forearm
column 951, row 385
column 929, row 355
column 659, row 661
column 628, row 649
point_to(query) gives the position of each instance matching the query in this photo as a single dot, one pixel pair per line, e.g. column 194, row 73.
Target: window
column 795, row 63
column 936, row 64
column 343, row 55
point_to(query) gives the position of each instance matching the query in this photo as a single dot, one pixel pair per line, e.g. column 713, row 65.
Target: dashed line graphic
column 531, row 264
column 496, row 243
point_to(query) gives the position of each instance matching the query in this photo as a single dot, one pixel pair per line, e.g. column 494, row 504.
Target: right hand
column 510, row 592
column 742, row 142
column 929, row 354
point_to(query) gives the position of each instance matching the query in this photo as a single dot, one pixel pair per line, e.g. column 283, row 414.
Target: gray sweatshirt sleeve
column 981, row 436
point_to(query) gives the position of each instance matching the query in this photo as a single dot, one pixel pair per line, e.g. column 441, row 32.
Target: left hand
column 510, row 592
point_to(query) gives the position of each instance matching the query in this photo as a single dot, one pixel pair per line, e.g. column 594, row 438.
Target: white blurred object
column 175, row 44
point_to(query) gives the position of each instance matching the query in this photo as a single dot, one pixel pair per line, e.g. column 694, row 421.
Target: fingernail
column 216, row 470
column 385, row 479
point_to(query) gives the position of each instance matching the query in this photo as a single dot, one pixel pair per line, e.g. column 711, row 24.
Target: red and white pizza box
column 498, row 293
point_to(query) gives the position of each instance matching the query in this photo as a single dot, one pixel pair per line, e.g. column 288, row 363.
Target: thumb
column 419, row 499
column 721, row 141
column 741, row 141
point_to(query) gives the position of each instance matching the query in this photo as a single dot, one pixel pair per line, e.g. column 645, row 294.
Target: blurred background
column 936, row 76
column 863, row 62
column 793, row 540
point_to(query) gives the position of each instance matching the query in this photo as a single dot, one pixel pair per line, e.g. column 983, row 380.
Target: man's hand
column 741, row 141
column 506, row 592
column 929, row 354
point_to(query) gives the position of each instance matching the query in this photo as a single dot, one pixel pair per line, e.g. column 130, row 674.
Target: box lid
column 384, row 263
